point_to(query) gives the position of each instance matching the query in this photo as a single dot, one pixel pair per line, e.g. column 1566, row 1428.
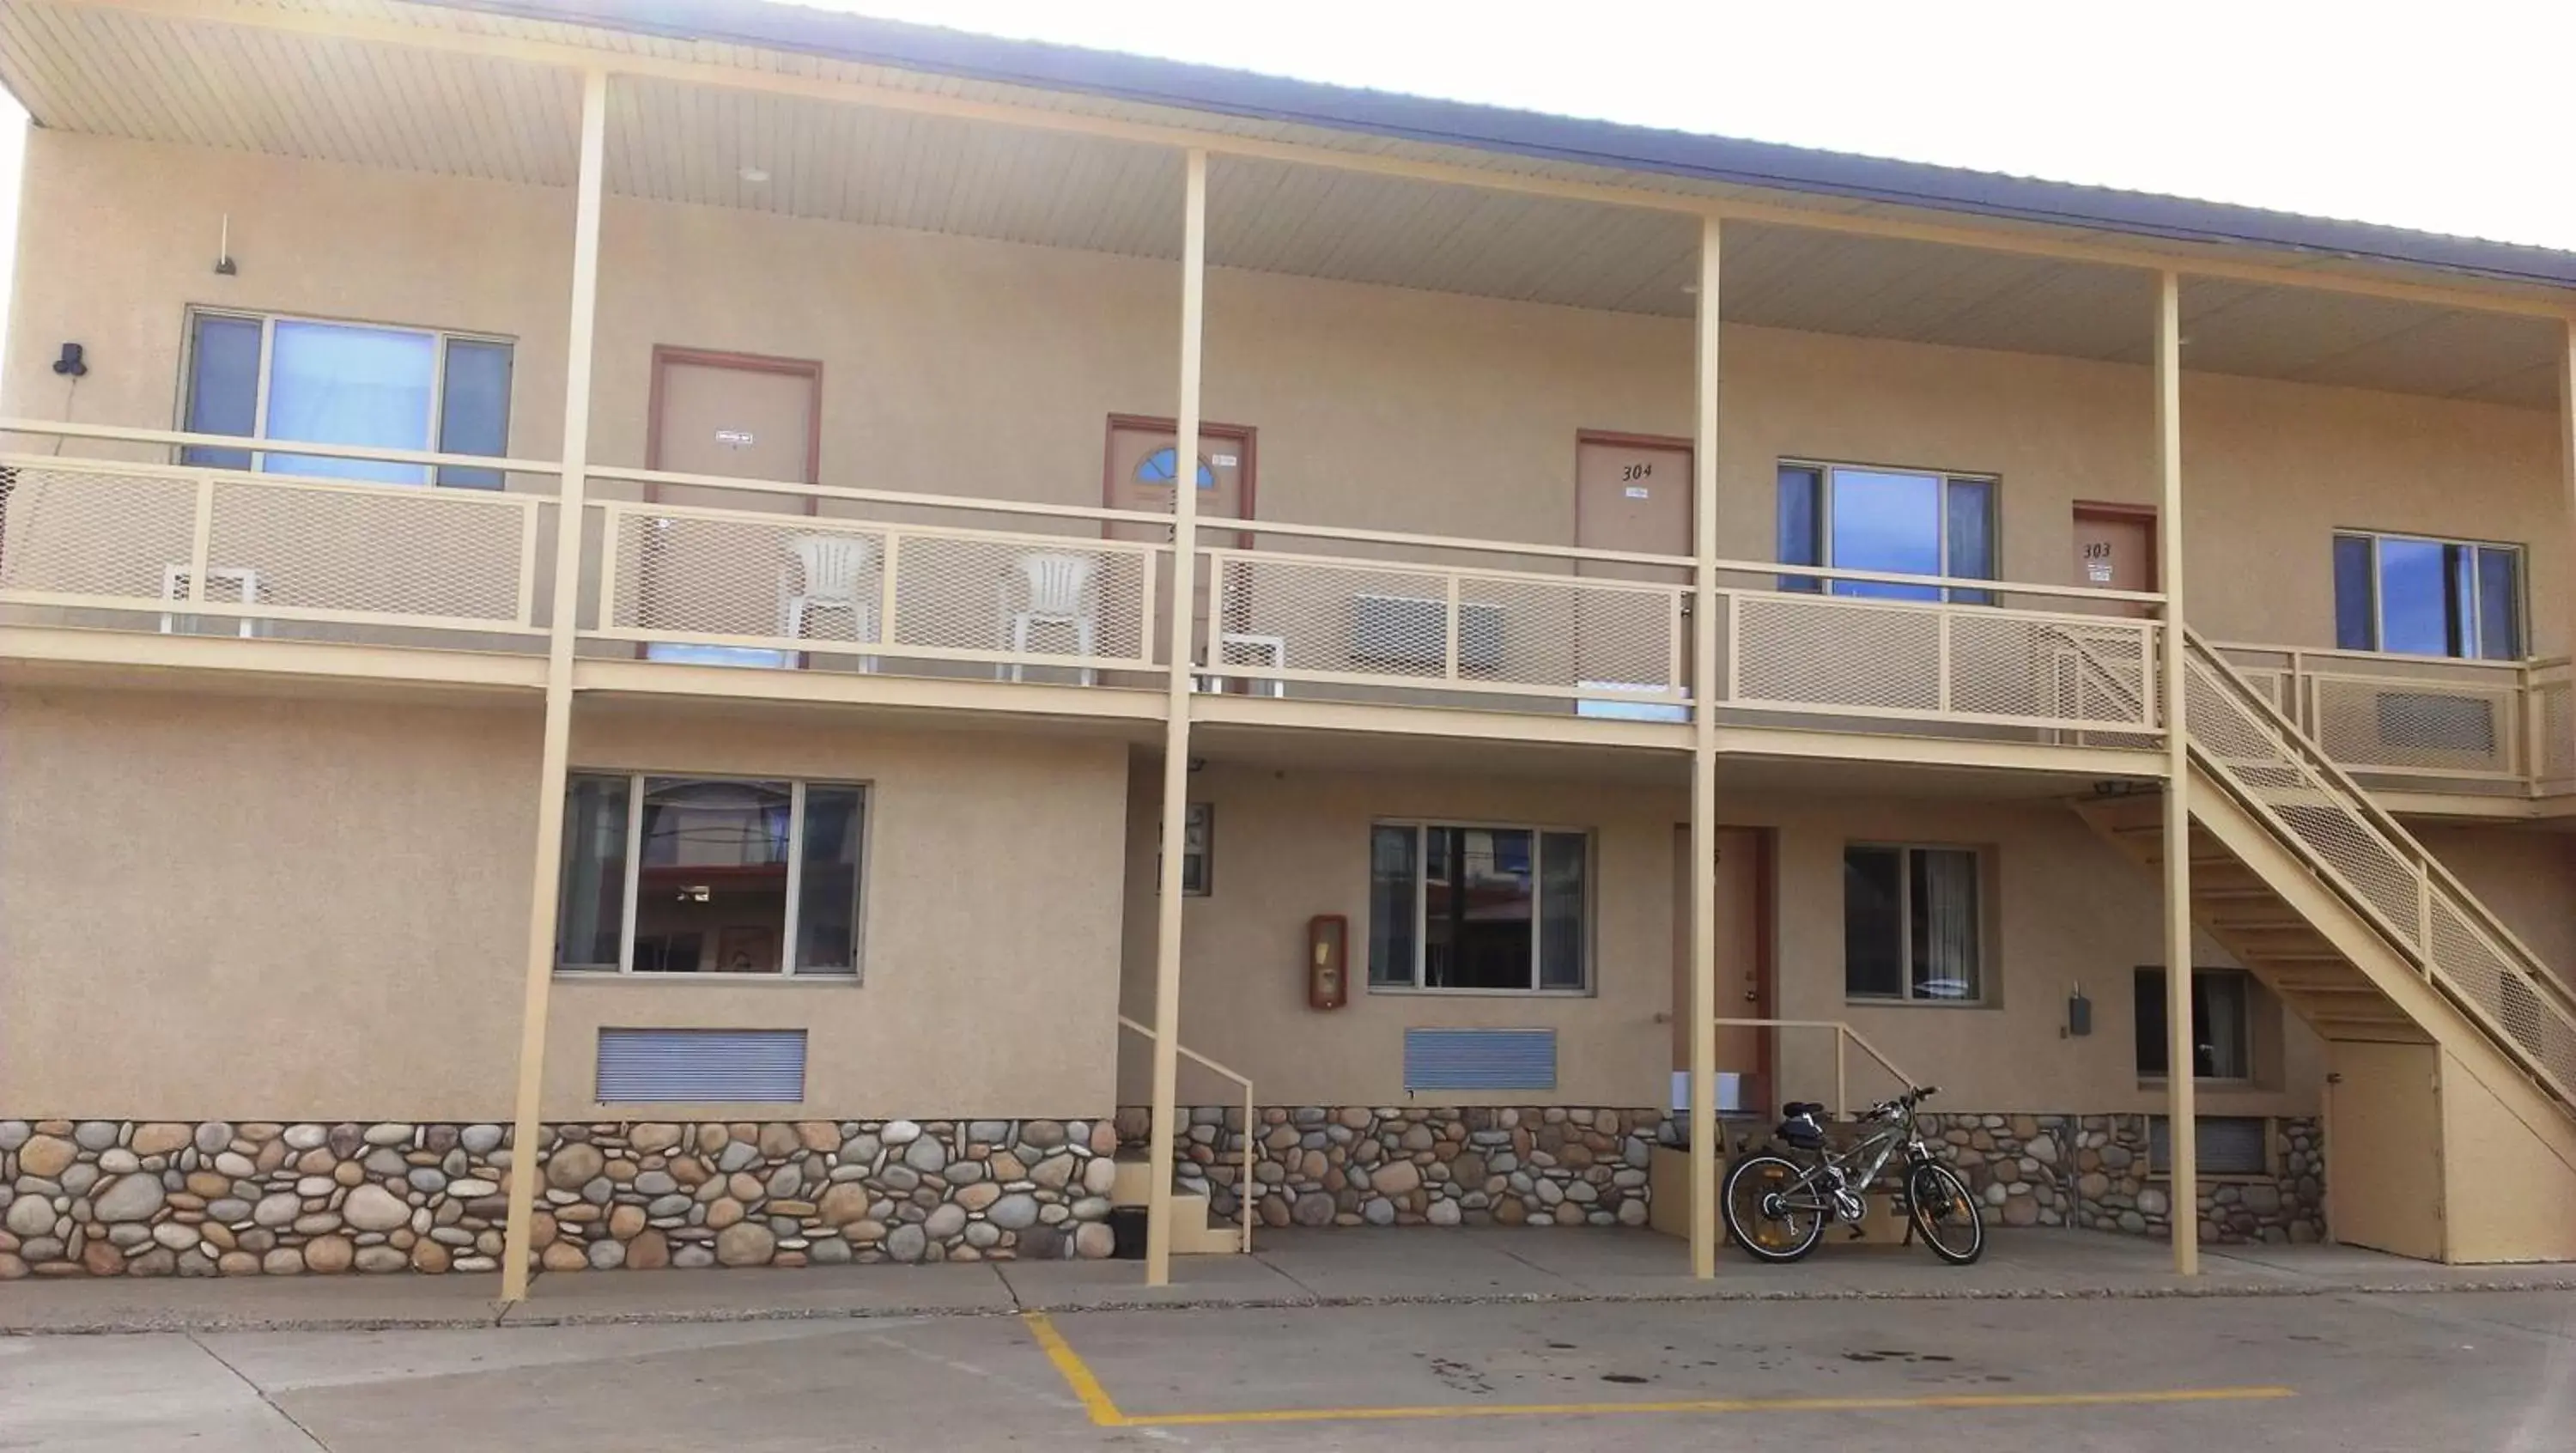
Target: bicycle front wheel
column 1768, row 1211
column 1946, row 1216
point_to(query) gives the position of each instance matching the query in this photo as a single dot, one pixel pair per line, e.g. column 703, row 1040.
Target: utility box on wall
column 1328, row 961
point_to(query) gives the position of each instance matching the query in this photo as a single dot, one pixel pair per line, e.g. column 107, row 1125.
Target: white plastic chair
column 1056, row 592
column 830, row 573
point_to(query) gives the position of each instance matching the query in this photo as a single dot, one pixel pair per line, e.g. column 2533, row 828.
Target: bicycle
column 1777, row 1209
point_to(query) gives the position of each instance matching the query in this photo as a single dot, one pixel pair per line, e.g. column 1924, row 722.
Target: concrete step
column 1195, row 1229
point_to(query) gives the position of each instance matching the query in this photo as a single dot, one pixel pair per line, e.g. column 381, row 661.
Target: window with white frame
column 1477, row 907
column 710, row 875
column 1894, row 521
column 1913, row 924
column 2421, row 596
column 312, row 381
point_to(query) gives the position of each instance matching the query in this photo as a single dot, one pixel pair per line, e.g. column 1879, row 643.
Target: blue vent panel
column 1480, row 1059
column 702, row 1064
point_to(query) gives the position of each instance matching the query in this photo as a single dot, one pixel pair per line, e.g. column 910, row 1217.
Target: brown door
column 2115, row 549
column 1743, row 958
column 1142, row 467
column 737, row 417
column 2384, row 1163
column 1633, row 493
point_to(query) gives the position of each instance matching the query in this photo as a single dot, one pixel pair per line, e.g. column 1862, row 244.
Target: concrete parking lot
column 2348, row 1373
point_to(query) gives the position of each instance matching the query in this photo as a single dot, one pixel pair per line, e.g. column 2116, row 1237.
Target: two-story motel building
column 621, row 579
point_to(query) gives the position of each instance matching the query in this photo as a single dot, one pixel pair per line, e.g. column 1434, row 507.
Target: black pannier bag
column 1804, row 1126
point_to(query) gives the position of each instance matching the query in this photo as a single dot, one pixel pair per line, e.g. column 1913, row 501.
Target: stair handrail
column 2511, row 953
column 1244, row 1192
column 2406, row 843
column 1843, row 1034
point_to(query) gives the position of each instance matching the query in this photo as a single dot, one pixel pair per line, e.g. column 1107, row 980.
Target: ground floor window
column 2225, row 1145
column 2222, row 1033
column 1913, row 923
column 715, row 875
column 1493, row 908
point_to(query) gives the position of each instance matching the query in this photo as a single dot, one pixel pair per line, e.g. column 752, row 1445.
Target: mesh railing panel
column 114, row 537
column 444, row 556
column 2398, row 723
column 2555, row 758
column 2002, row 664
column 790, row 581
column 1302, row 617
column 2382, row 869
column 120, row 536
column 1813, row 651
column 1932, row 661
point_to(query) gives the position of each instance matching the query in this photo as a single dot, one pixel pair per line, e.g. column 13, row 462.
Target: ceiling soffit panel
column 2355, row 342
column 1352, row 227
column 117, row 73
column 242, row 87
column 795, row 157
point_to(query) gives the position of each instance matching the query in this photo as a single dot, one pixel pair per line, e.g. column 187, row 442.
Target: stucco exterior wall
column 2067, row 911
column 216, row 907
column 957, row 365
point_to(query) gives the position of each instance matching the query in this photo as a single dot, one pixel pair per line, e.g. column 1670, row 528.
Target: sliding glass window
column 1891, row 521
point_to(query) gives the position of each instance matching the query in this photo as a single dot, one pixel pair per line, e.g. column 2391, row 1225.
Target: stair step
column 2350, row 984
column 1195, row 1229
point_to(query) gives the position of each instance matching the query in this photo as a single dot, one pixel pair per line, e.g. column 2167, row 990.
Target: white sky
column 2451, row 119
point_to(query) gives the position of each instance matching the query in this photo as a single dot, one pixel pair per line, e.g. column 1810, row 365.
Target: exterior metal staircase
column 2356, row 927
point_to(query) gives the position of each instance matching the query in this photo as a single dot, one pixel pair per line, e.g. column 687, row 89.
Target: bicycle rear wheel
column 1768, row 1211
column 1946, row 1216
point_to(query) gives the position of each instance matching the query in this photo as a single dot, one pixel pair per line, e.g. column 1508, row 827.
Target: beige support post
column 2180, row 1110
column 2538, row 748
column 546, row 878
column 1703, row 808
column 1176, row 738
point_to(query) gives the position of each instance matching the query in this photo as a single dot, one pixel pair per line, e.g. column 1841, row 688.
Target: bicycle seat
column 1803, row 1107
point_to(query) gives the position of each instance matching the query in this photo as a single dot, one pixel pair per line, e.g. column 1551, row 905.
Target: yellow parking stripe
column 1105, row 1412
column 1713, row 1405
column 1076, row 1374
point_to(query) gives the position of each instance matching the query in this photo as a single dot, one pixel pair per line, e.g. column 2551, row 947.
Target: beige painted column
column 1176, row 737
column 2180, row 1092
column 545, row 881
column 2567, row 475
column 1703, row 809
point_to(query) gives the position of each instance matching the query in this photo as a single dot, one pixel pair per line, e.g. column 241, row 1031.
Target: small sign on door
column 1223, row 461
column 734, row 438
column 2098, row 571
column 1636, row 491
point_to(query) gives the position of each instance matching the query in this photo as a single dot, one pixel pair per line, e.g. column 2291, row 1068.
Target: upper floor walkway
column 761, row 589
column 871, row 380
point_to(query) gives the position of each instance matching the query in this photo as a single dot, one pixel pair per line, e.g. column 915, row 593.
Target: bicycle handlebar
column 1913, row 1096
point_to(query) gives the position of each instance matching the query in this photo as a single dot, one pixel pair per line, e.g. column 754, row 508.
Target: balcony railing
column 874, row 580
column 144, row 545
column 1435, row 620
column 2430, row 723
column 825, row 578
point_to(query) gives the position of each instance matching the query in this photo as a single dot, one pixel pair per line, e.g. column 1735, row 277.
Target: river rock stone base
column 1351, row 1165
column 158, row 1198
column 2091, row 1171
